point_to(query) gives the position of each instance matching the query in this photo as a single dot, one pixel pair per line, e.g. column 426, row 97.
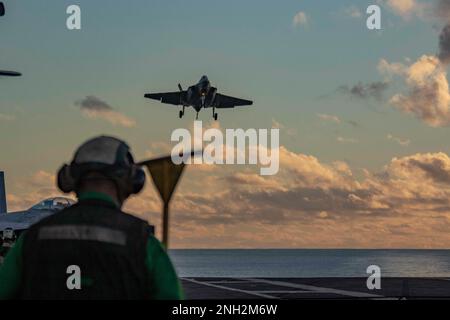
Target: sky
column 363, row 114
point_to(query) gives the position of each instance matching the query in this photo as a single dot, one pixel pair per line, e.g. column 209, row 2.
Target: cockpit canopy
column 56, row 204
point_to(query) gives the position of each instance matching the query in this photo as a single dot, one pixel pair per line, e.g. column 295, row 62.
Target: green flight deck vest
column 91, row 250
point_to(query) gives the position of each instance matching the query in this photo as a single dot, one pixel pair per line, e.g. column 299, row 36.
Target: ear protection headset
column 108, row 156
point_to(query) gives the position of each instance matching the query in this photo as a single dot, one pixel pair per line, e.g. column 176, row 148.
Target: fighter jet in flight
column 198, row 96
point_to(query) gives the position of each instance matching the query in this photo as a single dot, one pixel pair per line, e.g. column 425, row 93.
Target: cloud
column 310, row 203
column 402, row 7
column 6, row 117
column 401, row 141
column 277, row 125
column 329, row 117
column 428, row 96
column 444, row 45
column 433, row 167
column 353, row 12
column 346, row 140
column 391, row 69
column 407, row 8
column 353, row 123
column 34, row 188
column 300, row 19
column 291, row 132
column 158, row 149
column 442, row 10
column 318, row 205
column 94, row 108
column 365, row 91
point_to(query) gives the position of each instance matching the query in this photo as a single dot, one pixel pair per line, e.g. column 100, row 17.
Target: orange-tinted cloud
column 95, row 108
column 312, row 204
column 428, row 96
column 37, row 187
column 308, row 204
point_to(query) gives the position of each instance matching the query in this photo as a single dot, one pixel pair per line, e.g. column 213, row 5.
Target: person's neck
column 106, row 195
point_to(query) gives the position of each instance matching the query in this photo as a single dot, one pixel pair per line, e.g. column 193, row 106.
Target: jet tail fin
column 3, row 208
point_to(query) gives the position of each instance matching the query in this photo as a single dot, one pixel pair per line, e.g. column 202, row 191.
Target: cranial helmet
column 108, row 156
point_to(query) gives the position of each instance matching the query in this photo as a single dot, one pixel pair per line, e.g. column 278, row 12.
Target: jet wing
column 23, row 219
column 10, row 73
column 223, row 101
column 175, row 98
column 16, row 226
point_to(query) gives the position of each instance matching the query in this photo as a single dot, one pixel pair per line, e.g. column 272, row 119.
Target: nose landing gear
column 215, row 114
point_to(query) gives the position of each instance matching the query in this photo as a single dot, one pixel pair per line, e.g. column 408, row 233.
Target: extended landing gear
column 215, row 114
column 196, row 116
column 181, row 114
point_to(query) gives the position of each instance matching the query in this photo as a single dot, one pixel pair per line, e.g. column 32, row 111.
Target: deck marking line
column 287, row 291
column 314, row 288
column 261, row 295
column 225, row 281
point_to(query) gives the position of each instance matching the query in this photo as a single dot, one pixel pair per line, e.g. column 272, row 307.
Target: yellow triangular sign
column 165, row 175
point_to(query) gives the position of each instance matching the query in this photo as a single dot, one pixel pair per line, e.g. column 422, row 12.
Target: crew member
column 92, row 250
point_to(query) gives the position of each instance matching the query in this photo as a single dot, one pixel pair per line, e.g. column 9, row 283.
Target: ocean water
column 280, row 263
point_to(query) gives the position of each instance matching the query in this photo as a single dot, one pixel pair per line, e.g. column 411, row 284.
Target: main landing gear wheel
column 215, row 116
column 182, row 112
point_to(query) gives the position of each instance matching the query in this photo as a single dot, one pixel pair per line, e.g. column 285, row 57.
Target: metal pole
column 3, row 208
column 165, row 227
column 166, row 200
